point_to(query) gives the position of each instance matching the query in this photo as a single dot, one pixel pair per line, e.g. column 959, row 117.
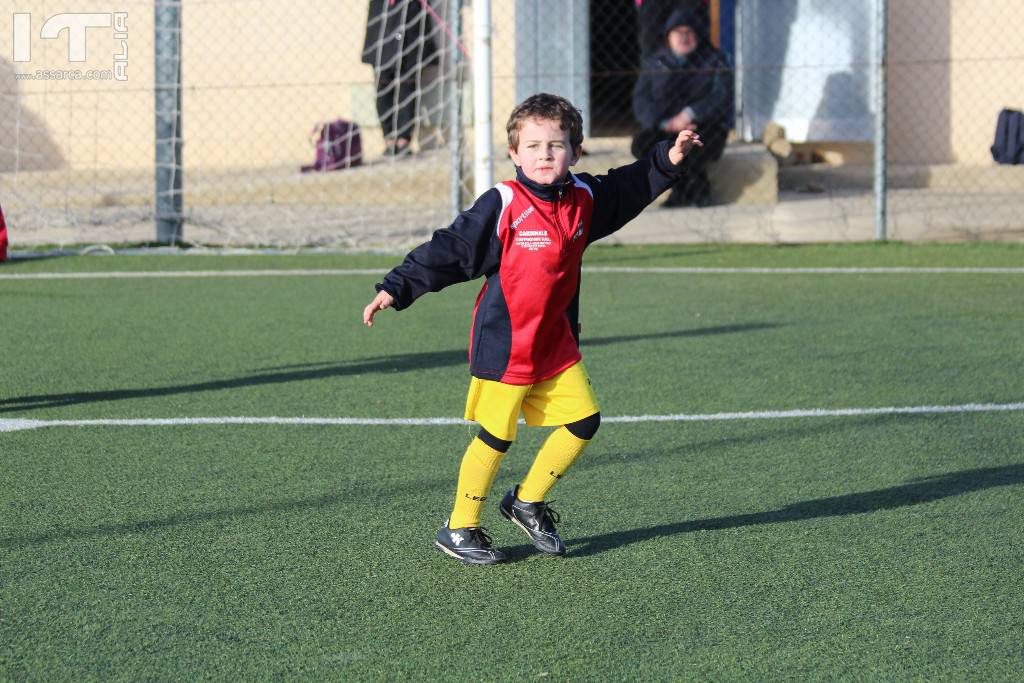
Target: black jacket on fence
column 399, row 43
column 399, row 36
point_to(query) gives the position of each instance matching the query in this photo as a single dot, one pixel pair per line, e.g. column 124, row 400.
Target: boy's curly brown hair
column 546, row 106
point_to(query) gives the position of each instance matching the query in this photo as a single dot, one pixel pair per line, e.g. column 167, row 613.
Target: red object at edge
column 3, row 236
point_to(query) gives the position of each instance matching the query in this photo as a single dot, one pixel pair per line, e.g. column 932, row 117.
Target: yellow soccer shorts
column 564, row 398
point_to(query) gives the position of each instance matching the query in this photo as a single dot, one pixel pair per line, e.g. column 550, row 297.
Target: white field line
column 313, row 272
column 130, row 274
column 17, row 424
column 789, row 271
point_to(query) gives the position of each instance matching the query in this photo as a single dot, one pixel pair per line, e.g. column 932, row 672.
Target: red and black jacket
column 528, row 240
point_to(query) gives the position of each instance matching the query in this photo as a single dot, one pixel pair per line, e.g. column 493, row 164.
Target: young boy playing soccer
column 527, row 237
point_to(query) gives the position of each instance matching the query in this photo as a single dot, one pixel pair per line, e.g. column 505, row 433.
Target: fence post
column 881, row 114
column 743, row 127
column 455, row 107
column 483, row 161
column 167, row 88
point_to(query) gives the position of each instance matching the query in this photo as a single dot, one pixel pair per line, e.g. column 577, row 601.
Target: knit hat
column 684, row 17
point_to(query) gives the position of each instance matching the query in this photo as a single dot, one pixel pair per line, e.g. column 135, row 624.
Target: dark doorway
column 614, row 64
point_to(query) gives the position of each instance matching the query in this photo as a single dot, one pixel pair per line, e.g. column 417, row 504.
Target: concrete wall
column 257, row 81
column 100, row 124
column 919, row 81
column 982, row 79
column 953, row 65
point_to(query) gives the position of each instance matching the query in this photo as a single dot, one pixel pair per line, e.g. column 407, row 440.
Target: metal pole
column 455, row 107
column 483, row 158
column 580, row 21
column 881, row 115
column 742, row 125
column 169, row 216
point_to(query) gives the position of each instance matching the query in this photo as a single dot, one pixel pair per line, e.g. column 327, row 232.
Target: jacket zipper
column 563, row 246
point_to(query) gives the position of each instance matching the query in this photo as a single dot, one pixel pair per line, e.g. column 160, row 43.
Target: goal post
column 167, row 90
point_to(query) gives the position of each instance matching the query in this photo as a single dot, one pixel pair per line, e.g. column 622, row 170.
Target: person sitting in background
column 686, row 85
column 398, row 44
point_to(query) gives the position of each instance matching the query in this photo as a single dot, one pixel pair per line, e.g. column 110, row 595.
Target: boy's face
column 544, row 152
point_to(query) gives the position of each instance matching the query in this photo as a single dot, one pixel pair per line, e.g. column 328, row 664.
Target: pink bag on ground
column 338, row 145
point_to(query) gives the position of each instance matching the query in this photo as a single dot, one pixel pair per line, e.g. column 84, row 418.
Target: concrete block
column 773, row 132
column 746, row 174
column 782, row 150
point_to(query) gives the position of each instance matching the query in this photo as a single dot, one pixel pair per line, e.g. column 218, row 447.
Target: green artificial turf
column 872, row 547
column 847, row 254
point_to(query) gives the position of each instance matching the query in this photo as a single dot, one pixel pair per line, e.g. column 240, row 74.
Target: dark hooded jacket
column 702, row 81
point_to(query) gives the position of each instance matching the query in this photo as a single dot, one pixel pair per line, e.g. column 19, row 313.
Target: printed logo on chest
column 520, row 218
column 532, row 239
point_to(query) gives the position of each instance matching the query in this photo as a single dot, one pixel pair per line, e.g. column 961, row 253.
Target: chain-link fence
column 314, row 123
column 374, row 99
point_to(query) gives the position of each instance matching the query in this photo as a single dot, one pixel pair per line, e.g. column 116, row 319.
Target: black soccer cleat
column 470, row 545
column 536, row 519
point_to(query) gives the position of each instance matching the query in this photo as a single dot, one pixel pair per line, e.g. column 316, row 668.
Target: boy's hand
column 380, row 302
column 685, row 141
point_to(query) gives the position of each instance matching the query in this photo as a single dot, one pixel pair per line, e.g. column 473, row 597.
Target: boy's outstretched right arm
column 464, row 251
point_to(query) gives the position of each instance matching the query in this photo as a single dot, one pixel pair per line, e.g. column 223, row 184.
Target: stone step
column 746, row 173
column 953, row 177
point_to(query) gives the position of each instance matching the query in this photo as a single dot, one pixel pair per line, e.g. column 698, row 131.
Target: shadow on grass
column 400, row 491
column 36, row 294
column 194, row 517
column 407, row 362
column 16, row 257
column 915, row 492
column 393, row 491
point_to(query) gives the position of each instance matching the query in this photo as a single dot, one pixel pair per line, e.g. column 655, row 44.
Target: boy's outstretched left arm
column 624, row 192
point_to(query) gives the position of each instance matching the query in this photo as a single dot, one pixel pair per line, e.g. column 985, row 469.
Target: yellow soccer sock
column 476, row 474
column 554, row 458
